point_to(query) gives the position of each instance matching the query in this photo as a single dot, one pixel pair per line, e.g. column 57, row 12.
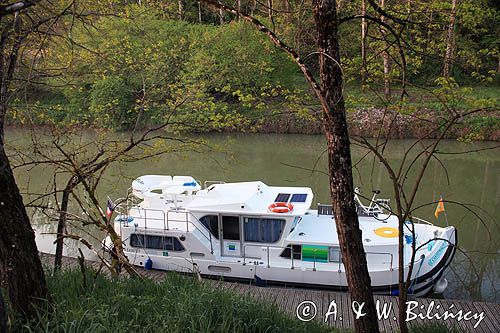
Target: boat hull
column 240, row 269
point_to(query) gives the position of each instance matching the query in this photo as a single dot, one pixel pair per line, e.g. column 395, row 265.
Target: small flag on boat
column 109, row 208
column 440, row 207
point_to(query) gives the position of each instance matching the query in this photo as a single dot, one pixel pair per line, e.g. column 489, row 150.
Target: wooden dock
column 299, row 303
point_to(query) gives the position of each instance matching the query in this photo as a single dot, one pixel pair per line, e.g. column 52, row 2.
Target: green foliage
column 139, row 64
column 141, row 68
column 111, row 102
column 177, row 304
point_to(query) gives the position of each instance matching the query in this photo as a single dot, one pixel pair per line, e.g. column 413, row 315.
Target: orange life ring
column 280, row 207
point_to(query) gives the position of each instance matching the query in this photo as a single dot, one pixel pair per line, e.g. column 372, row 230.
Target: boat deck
column 289, row 299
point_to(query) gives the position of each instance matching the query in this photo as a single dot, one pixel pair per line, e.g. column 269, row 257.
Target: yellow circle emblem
column 386, row 232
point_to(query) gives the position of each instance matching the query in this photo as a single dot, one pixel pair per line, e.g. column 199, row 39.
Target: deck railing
column 267, row 247
column 165, row 220
column 209, row 183
column 390, row 255
column 340, row 262
column 421, row 221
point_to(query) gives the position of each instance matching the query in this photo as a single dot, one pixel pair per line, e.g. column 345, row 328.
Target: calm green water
column 289, row 160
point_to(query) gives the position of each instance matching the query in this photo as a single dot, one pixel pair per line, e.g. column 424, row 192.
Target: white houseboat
column 270, row 234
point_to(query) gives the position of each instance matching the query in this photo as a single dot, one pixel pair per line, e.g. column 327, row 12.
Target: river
column 299, row 160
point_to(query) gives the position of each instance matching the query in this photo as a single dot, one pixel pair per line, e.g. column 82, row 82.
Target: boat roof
column 321, row 230
column 250, row 198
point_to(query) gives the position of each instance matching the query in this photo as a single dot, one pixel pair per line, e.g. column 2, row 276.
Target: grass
column 177, row 304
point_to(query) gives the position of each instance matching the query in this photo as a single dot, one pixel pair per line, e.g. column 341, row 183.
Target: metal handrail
column 118, row 206
column 209, row 237
column 384, row 253
column 421, row 221
column 164, row 219
column 267, row 251
column 205, row 228
column 208, row 183
column 211, row 245
column 268, row 247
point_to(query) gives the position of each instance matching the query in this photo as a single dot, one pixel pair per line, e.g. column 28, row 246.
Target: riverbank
column 368, row 122
column 421, row 113
column 373, row 122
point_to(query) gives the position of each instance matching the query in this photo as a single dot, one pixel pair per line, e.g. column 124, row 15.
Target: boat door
column 230, row 230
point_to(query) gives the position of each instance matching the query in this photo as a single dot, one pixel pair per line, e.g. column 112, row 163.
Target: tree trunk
column 61, row 224
column 3, row 314
column 21, row 272
column 199, row 12
column 450, row 41
column 270, row 9
column 408, row 11
column 180, row 4
column 386, row 61
column 363, row 44
column 340, row 166
column 330, row 94
column 239, row 9
column 221, row 16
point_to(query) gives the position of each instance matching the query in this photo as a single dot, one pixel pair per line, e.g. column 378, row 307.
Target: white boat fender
column 440, row 285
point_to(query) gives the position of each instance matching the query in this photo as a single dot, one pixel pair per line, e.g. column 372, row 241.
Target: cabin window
column 156, row 242
column 299, row 197
column 231, row 227
column 282, row 197
column 334, row 254
column 296, row 221
column 297, row 251
column 263, row 230
column 211, row 222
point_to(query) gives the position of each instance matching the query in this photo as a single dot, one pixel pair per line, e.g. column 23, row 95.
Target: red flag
column 110, row 207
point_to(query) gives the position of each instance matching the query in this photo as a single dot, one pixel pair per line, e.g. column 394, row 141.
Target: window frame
column 300, row 195
column 334, row 248
column 292, row 251
column 216, row 234
column 279, row 196
column 245, row 219
column 175, row 242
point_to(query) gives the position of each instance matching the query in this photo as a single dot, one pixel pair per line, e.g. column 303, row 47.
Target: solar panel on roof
column 282, row 197
column 299, row 197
